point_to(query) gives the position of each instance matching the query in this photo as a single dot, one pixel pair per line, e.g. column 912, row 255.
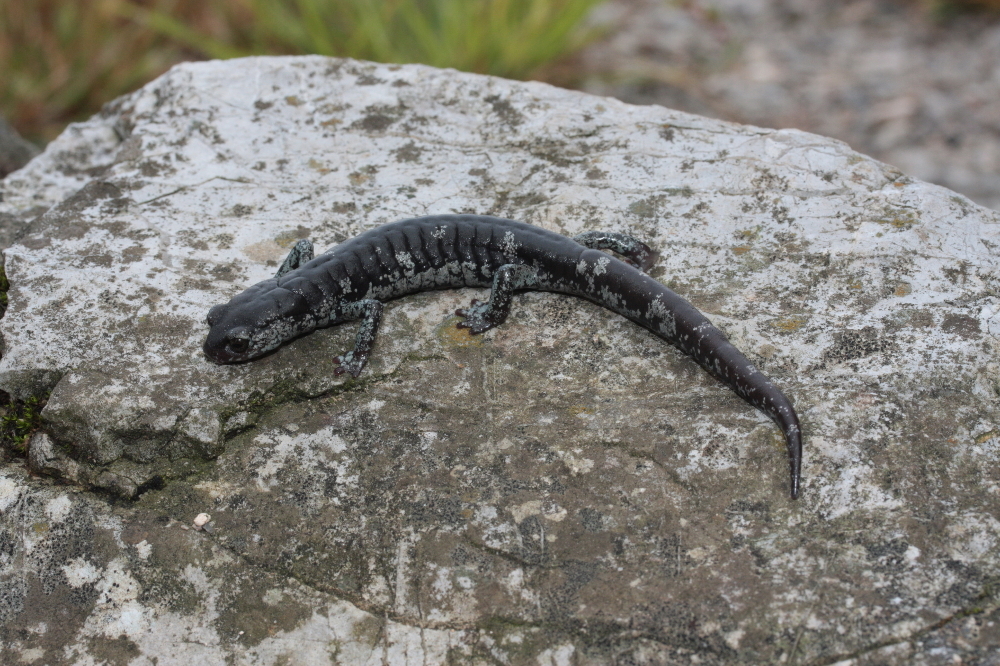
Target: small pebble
column 201, row 520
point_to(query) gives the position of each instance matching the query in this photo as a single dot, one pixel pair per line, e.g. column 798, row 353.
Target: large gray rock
column 566, row 489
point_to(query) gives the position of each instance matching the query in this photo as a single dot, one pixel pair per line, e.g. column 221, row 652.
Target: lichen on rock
column 565, row 488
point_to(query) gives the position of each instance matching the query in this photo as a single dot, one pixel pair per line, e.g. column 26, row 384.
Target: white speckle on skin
column 509, row 244
column 406, row 261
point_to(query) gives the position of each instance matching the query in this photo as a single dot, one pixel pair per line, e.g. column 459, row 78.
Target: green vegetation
column 64, row 58
column 18, row 420
column 511, row 38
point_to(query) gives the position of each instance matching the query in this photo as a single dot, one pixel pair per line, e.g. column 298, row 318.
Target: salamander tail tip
column 795, row 462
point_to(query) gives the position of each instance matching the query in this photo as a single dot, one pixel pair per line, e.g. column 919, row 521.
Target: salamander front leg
column 480, row 317
column 301, row 253
column 369, row 311
column 634, row 250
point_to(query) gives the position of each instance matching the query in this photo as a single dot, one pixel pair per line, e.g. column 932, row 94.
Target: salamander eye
column 238, row 342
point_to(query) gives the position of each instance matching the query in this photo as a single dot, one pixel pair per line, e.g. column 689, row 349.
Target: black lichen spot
column 850, row 345
column 505, row 110
column 591, row 519
column 667, row 133
column 241, row 210
column 528, row 200
column 379, row 117
column 150, row 168
column 262, row 105
column 888, row 556
column 223, row 241
column 368, row 80
column 411, row 152
column 133, row 254
column 957, row 275
column 647, row 208
column 961, row 325
column 759, row 511
column 113, row 651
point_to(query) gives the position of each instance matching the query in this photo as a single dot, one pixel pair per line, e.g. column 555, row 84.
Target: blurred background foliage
column 60, row 60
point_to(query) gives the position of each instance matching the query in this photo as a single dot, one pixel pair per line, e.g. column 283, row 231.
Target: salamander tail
column 794, row 440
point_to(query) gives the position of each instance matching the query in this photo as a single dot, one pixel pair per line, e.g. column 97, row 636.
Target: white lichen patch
column 10, row 490
column 58, row 508
column 80, row 572
column 304, row 452
column 576, row 462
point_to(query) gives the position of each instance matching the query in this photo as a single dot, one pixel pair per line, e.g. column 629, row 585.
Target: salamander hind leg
column 632, row 249
column 369, row 311
column 480, row 317
column 301, row 253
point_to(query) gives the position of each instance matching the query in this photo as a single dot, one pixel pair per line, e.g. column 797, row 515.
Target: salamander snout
column 228, row 345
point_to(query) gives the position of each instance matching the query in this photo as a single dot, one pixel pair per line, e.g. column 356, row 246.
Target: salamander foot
column 350, row 362
column 476, row 317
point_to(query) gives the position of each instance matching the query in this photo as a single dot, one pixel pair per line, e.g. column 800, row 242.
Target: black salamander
column 352, row 280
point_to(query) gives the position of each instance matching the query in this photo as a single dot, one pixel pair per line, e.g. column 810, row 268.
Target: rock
column 15, row 152
column 80, row 154
column 563, row 489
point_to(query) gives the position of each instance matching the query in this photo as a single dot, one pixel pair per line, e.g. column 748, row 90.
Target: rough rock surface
column 566, row 489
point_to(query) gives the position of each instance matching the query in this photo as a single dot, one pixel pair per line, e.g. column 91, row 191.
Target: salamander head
column 257, row 321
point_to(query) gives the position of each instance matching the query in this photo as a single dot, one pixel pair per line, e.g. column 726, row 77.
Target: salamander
column 352, row 280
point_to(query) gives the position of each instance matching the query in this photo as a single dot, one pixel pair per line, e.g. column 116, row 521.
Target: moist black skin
column 352, row 280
